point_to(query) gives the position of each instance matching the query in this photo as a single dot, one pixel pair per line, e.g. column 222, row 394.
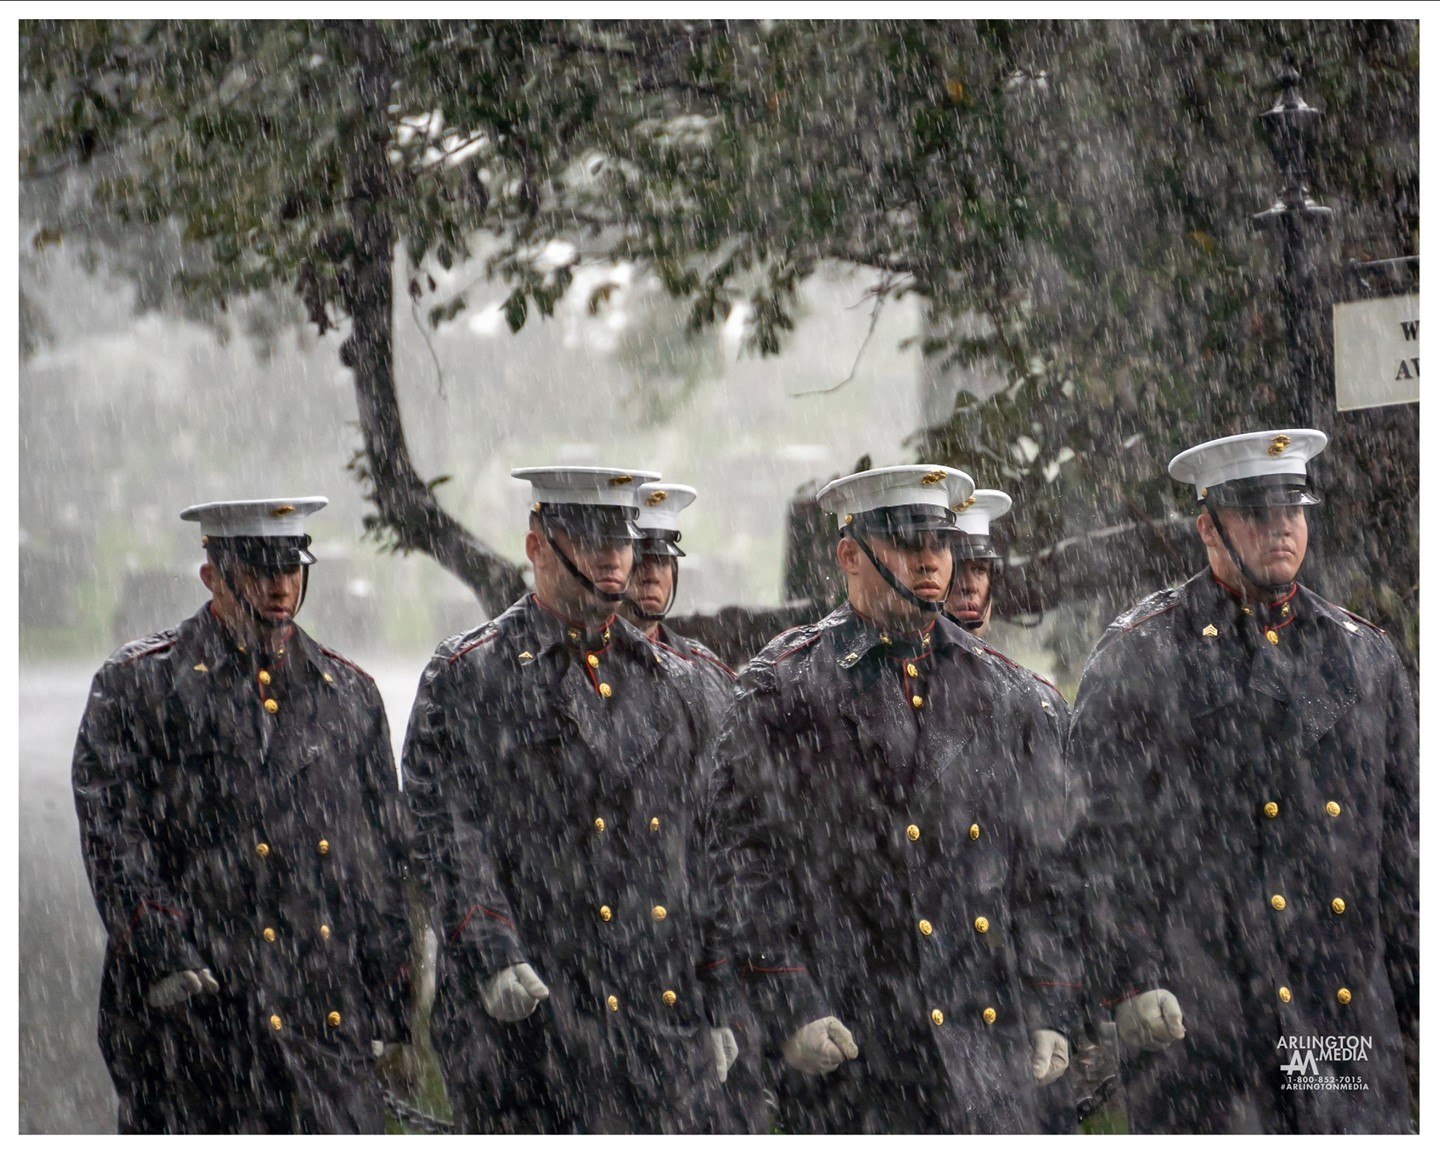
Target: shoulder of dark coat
column 1045, row 684
column 139, row 649
column 1017, row 672
column 474, row 643
column 996, row 653
column 1147, row 609
column 671, row 660
column 1353, row 625
column 699, row 651
column 760, row 673
column 345, row 665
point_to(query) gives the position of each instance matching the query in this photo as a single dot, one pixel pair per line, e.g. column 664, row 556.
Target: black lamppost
column 1299, row 221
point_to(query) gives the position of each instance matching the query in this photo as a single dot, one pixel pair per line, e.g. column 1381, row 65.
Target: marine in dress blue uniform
column 883, row 790
column 551, row 767
column 241, row 827
column 1251, row 840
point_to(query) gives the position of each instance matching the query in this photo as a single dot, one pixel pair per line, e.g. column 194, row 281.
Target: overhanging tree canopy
column 1070, row 199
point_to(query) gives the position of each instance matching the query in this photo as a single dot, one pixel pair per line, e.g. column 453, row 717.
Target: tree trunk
column 405, row 506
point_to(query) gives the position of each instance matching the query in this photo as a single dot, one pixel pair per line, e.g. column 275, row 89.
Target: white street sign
column 1377, row 352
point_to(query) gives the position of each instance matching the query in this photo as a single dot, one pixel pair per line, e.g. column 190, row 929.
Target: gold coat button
column 982, row 925
column 974, row 831
column 926, row 927
column 1337, row 905
column 1284, row 994
column 912, row 833
column 1343, row 995
column 262, row 850
column 276, row 1023
column 911, row 669
column 593, row 660
column 654, row 823
column 1277, row 902
column 599, row 824
column 917, row 701
column 269, row 935
column 937, row 1017
column 612, row 1003
column 1272, row 810
column 988, row 1015
column 605, row 690
column 1272, row 635
column 573, row 634
column 323, row 847
column 271, row 706
column 1332, row 808
column 669, row 998
column 658, row 913
column 605, row 913
column 324, row 931
column 264, row 676
column 333, row 1019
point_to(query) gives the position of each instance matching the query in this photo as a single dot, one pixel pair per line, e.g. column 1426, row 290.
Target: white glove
column 1049, row 1056
column 820, row 1046
column 177, row 988
column 514, row 993
column 722, row 1040
column 1150, row 1021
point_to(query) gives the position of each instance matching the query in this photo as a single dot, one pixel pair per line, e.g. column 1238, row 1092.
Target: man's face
column 605, row 563
column 970, row 601
column 1270, row 541
column 652, row 582
column 274, row 592
column 921, row 562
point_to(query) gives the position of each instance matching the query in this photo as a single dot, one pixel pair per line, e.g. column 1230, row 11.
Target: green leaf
column 442, row 313
column 516, row 309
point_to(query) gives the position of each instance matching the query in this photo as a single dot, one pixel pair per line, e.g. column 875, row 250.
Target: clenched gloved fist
column 1049, row 1056
column 514, row 993
column 820, row 1046
column 1150, row 1021
column 180, row 986
column 722, row 1041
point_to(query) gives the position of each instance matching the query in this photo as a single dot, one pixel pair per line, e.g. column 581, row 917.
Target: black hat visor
column 903, row 524
column 264, row 551
column 658, row 542
column 1275, row 491
column 593, row 523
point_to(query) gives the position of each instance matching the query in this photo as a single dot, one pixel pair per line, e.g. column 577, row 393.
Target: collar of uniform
column 307, row 652
column 552, row 630
column 217, row 647
column 859, row 636
column 1274, row 614
column 217, row 644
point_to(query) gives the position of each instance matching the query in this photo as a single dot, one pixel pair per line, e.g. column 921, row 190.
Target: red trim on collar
column 575, row 624
column 890, row 631
column 1240, row 596
column 484, row 639
column 804, row 643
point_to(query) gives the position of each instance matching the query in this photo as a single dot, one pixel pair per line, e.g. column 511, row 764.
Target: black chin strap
column 579, row 576
column 899, row 588
column 656, row 617
column 1269, row 590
